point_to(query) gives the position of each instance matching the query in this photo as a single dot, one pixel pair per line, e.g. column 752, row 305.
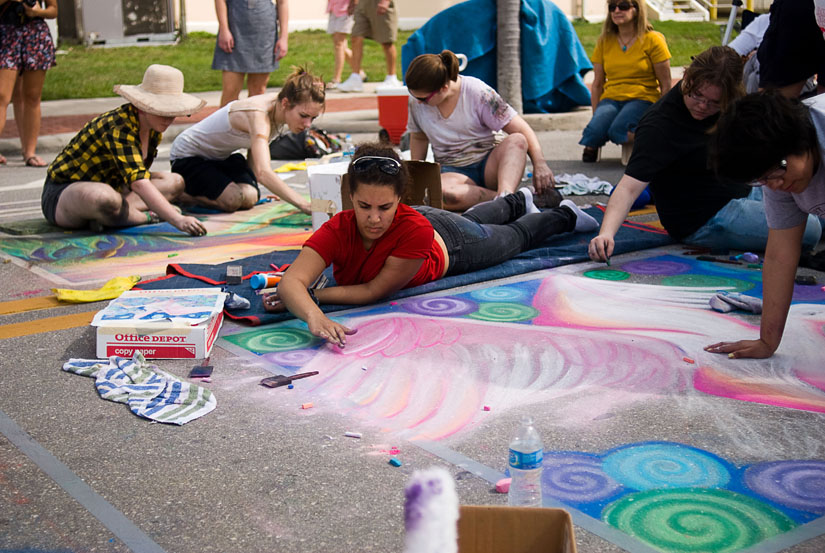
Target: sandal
column 332, row 85
column 35, row 161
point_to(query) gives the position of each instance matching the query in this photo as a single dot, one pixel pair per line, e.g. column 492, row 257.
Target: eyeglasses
column 773, row 175
column 623, row 6
column 427, row 97
column 699, row 99
column 386, row 165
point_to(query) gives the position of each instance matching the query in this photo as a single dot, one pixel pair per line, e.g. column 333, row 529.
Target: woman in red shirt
column 381, row 245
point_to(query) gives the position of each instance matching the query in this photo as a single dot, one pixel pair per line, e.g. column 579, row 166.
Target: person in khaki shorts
column 378, row 20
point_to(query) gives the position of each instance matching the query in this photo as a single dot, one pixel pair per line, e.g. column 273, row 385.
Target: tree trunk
column 508, row 47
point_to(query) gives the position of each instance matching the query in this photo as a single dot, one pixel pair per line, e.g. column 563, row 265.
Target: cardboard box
column 162, row 324
column 493, row 529
column 329, row 188
column 325, row 190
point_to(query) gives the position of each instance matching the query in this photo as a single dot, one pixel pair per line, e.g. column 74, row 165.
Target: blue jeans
column 495, row 231
column 741, row 225
column 613, row 119
column 474, row 171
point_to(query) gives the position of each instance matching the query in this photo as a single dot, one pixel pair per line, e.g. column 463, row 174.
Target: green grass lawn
column 91, row 72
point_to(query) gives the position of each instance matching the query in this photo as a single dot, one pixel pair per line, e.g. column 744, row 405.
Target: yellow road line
column 50, row 324
column 29, row 304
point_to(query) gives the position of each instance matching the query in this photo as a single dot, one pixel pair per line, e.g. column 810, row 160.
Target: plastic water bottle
column 526, row 454
column 349, row 148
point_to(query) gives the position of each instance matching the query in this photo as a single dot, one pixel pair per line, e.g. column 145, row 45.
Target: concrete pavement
column 259, row 474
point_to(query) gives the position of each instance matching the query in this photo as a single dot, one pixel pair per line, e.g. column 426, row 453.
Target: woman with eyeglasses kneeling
column 631, row 70
column 776, row 143
column 670, row 153
column 460, row 117
column 382, row 245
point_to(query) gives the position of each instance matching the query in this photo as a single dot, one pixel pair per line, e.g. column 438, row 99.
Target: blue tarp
column 561, row 249
column 553, row 61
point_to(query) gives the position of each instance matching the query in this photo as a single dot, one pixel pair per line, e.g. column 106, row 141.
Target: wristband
column 312, row 295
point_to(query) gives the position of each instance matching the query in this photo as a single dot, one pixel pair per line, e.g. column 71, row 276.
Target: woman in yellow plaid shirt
column 102, row 178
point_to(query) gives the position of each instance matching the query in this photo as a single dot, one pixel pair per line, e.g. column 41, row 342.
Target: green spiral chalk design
column 687, row 520
column 268, row 341
column 504, row 312
column 607, row 274
column 711, row 281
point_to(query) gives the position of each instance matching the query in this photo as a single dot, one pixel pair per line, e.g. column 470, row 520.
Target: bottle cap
column 257, row 282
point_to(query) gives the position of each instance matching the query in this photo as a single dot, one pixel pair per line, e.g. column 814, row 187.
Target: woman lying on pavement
column 216, row 177
column 777, row 143
column 381, row 245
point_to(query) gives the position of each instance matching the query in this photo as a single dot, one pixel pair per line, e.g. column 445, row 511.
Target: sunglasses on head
column 386, row 165
column 622, row 6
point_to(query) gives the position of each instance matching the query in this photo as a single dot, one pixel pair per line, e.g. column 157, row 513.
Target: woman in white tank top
column 205, row 153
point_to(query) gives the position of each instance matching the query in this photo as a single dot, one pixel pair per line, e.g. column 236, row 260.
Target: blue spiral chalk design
column 499, row 293
column 795, row 484
column 443, row 306
column 665, row 465
column 576, row 478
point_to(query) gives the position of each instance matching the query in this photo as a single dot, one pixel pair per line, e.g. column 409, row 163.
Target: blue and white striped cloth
column 148, row 391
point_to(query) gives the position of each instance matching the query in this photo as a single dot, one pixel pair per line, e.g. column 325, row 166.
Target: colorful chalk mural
column 79, row 257
column 678, row 498
column 436, row 368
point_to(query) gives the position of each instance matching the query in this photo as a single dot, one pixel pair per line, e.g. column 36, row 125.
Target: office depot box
column 162, row 324
column 494, row 529
column 329, row 188
column 392, row 111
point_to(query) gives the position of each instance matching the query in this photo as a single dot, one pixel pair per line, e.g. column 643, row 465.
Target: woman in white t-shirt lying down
column 778, row 143
column 459, row 116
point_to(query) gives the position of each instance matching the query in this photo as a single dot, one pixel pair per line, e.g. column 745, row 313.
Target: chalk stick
column 290, row 386
column 486, row 407
column 306, row 406
column 503, row 485
column 688, row 360
column 395, row 462
column 349, row 434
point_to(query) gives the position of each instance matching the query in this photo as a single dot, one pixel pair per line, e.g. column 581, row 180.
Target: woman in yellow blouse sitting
column 631, row 67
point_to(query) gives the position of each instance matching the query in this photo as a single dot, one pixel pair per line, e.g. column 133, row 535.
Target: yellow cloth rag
column 110, row 290
column 292, row 166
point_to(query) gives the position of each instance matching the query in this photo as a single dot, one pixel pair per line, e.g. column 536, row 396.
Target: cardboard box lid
column 498, row 529
column 425, row 180
column 184, row 308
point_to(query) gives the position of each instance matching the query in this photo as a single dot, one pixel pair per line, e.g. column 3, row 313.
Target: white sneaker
column 354, row 83
column 584, row 222
column 391, row 81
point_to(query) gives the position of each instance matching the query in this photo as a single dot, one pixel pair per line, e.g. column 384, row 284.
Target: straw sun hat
column 161, row 93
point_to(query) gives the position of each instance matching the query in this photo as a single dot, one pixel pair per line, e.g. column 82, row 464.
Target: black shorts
column 792, row 48
column 49, row 197
column 210, row 177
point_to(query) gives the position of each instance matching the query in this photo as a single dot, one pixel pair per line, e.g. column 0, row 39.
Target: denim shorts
column 474, row 171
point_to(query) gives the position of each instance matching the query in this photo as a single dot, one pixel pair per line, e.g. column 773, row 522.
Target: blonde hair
column 642, row 24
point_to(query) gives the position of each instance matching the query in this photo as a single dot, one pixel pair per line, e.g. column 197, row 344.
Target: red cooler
column 392, row 111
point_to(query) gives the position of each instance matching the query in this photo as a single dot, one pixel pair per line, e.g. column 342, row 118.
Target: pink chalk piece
column 393, row 303
column 206, row 379
column 306, row 406
column 394, row 451
column 503, row 485
column 486, row 407
column 688, row 360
